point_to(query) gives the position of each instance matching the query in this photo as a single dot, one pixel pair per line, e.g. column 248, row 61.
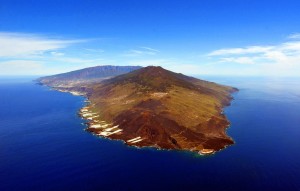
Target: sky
column 205, row 37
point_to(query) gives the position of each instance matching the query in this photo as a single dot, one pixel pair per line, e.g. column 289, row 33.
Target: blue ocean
column 43, row 145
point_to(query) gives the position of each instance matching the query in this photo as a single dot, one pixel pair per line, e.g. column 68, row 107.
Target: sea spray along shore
column 105, row 129
column 154, row 107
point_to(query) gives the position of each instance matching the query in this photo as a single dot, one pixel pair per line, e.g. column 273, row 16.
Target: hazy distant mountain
column 92, row 74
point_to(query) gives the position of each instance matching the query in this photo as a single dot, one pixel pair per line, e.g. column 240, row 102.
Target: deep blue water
column 43, row 145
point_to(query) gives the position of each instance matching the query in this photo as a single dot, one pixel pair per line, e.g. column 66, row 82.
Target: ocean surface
column 43, row 145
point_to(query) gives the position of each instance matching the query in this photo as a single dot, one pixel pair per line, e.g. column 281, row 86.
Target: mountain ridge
column 91, row 74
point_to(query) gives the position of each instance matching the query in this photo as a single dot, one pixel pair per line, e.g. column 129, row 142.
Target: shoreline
column 94, row 123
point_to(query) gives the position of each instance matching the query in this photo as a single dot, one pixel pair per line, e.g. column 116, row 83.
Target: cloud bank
column 32, row 54
column 20, row 45
column 281, row 59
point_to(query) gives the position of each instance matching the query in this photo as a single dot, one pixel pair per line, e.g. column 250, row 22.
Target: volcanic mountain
column 86, row 75
column 151, row 106
column 155, row 107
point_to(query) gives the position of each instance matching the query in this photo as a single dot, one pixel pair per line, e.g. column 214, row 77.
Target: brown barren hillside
column 156, row 107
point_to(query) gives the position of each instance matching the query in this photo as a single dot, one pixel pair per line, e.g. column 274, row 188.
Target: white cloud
column 92, row 50
column 256, row 54
column 31, row 54
column 246, row 50
column 275, row 55
column 294, row 36
column 290, row 47
column 57, row 53
column 240, row 60
column 20, row 45
column 280, row 59
column 141, row 51
column 149, row 49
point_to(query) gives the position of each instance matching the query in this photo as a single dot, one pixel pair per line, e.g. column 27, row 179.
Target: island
column 151, row 107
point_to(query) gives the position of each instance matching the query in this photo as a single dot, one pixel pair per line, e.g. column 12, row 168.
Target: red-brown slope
column 163, row 109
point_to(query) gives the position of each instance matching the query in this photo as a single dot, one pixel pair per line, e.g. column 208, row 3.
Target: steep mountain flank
column 156, row 107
